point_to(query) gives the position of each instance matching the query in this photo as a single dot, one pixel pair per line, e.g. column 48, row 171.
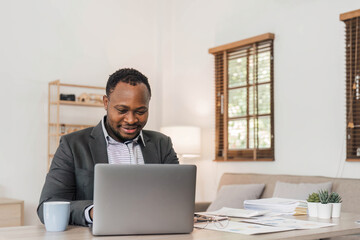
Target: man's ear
column 105, row 102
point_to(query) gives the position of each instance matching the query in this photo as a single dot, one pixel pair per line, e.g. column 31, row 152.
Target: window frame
column 352, row 81
column 221, row 55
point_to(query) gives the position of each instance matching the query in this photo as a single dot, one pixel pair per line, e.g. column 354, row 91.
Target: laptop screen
column 143, row 199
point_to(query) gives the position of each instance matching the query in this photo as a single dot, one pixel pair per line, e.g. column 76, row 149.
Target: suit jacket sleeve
column 60, row 185
column 170, row 155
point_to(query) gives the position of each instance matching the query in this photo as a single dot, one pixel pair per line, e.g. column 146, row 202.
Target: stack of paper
column 278, row 205
column 235, row 212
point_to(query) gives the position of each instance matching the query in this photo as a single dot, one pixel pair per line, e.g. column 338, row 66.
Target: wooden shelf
column 58, row 83
column 70, row 125
column 81, row 126
column 55, row 134
column 55, row 127
column 74, row 103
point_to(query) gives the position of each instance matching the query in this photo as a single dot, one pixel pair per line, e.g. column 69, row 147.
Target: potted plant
column 324, row 208
column 312, row 203
column 335, row 200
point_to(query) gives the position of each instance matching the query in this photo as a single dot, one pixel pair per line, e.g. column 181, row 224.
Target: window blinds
column 352, row 65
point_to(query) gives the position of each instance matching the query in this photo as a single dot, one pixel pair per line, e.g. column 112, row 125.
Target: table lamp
column 185, row 139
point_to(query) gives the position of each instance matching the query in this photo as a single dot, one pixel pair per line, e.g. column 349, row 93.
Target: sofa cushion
column 299, row 191
column 233, row 196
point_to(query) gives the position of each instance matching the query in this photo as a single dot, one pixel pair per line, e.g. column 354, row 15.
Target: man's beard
column 118, row 135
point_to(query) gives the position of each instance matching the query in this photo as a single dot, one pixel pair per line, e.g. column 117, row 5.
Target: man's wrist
column 87, row 214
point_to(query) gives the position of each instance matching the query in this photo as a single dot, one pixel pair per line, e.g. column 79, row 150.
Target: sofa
column 349, row 189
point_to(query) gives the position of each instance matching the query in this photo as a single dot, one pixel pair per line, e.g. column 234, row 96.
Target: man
column 117, row 139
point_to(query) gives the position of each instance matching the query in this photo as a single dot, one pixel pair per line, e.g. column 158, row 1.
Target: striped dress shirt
column 128, row 152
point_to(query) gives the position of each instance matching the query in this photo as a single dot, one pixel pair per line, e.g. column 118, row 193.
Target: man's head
column 127, row 103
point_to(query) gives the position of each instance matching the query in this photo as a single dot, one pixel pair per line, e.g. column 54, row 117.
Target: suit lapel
column 149, row 151
column 97, row 145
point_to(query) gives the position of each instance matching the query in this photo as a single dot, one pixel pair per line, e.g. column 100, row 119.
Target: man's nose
column 130, row 118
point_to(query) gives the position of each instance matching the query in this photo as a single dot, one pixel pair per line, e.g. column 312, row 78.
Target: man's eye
column 140, row 112
column 121, row 111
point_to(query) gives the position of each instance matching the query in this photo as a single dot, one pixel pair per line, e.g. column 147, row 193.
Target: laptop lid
column 143, row 199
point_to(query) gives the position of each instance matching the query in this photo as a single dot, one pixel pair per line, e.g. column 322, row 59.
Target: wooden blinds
column 244, row 100
column 352, row 50
column 219, row 101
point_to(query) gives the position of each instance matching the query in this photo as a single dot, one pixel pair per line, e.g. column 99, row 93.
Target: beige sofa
column 349, row 189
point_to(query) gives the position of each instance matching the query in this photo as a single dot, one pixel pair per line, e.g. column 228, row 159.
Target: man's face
column 127, row 110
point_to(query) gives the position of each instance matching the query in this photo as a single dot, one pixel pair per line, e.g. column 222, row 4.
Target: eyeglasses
column 202, row 221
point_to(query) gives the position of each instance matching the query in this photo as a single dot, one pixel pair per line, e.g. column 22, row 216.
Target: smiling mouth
column 129, row 130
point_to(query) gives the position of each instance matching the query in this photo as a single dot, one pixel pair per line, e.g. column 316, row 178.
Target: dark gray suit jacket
column 71, row 175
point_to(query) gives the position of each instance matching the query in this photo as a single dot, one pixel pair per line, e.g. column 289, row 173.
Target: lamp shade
column 185, row 139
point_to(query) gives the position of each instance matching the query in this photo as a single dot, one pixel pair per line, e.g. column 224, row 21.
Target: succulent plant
column 324, row 196
column 314, row 197
column 335, row 198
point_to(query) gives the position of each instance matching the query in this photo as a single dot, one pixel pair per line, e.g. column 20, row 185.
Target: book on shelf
column 278, row 205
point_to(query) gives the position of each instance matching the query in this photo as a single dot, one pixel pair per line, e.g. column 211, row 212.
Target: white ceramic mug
column 56, row 216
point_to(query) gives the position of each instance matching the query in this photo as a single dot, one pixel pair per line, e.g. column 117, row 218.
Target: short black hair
column 126, row 75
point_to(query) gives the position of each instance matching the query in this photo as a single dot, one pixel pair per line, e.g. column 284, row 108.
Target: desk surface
column 346, row 225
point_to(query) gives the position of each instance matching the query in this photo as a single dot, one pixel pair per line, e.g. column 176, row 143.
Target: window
column 244, row 100
column 352, row 32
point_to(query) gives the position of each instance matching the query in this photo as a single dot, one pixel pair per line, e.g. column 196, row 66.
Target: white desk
column 346, row 225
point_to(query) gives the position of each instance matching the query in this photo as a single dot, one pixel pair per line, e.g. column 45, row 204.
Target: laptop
column 143, row 199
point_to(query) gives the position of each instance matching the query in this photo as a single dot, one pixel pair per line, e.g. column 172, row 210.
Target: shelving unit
column 57, row 126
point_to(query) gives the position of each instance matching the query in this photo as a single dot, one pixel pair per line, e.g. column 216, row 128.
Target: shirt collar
column 108, row 138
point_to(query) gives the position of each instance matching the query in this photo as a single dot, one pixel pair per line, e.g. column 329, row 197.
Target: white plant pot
column 336, row 210
column 324, row 210
column 312, row 208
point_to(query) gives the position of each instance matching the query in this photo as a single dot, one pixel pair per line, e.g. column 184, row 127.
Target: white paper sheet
column 246, row 228
column 236, row 212
column 289, row 223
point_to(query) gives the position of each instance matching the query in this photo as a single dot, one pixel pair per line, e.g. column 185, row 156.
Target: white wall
column 84, row 41
column 80, row 42
column 309, row 81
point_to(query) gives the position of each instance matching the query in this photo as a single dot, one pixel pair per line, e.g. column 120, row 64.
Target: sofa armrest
column 201, row 206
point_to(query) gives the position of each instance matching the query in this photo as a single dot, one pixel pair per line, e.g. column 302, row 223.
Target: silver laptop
column 143, row 199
